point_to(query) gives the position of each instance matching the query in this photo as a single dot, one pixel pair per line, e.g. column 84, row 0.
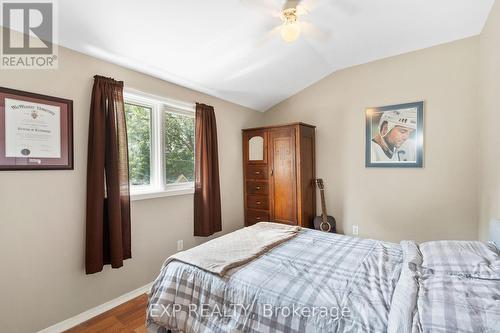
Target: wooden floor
column 129, row 317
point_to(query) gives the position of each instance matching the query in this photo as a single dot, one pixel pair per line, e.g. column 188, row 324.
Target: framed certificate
column 36, row 131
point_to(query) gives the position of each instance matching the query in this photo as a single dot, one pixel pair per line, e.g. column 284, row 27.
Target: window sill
column 159, row 194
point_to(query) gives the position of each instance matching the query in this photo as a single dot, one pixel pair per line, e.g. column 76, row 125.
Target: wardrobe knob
column 257, row 188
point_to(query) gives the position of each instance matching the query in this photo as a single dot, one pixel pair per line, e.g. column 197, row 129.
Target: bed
column 322, row 282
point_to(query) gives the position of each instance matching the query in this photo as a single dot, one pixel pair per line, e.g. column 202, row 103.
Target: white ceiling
column 228, row 48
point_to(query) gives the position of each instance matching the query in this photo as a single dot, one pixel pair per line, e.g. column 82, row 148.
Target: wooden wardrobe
column 279, row 174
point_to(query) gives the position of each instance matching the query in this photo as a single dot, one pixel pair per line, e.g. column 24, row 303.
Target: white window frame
column 158, row 186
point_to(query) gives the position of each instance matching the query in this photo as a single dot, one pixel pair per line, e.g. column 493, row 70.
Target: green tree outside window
column 138, row 120
column 179, row 148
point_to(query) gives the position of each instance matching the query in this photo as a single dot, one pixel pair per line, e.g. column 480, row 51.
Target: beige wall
column 439, row 201
column 490, row 107
column 42, row 218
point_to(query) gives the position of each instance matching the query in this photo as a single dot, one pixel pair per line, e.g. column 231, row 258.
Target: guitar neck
column 323, row 204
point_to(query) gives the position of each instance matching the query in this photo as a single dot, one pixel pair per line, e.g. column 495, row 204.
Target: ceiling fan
column 290, row 13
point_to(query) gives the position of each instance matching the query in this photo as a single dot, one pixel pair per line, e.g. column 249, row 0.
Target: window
column 160, row 144
column 138, row 118
column 179, row 148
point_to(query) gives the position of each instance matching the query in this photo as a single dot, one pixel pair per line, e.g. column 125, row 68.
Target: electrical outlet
column 355, row 230
column 180, row 245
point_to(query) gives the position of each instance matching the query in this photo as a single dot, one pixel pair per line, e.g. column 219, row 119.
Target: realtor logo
column 28, row 35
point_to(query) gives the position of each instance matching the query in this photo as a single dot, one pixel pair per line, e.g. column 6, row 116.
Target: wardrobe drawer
column 256, row 216
column 256, row 172
column 258, row 201
column 257, row 187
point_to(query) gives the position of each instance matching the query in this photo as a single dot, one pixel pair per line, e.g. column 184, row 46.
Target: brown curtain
column 207, row 209
column 108, row 197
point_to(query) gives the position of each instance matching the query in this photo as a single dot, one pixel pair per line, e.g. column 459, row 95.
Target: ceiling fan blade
column 312, row 31
column 271, row 34
column 302, row 10
column 307, row 5
column 347, row 6
column 291, row 4
column 266, row 7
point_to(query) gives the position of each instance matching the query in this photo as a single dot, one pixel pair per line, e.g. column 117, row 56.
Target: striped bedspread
column 319, row 282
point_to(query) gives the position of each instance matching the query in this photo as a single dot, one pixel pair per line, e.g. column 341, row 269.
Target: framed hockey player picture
column 394, row 136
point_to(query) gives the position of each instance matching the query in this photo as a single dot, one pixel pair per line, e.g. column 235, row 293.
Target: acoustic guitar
column 324, row 222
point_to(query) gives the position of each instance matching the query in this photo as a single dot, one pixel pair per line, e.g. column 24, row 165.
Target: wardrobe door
column 283, row 175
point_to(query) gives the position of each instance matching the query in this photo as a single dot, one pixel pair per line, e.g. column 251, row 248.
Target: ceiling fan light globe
column 290, row 32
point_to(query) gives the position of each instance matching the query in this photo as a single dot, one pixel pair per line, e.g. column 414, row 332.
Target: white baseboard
column 84, row 316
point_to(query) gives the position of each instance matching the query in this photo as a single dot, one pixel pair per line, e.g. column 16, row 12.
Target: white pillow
column 465, row 258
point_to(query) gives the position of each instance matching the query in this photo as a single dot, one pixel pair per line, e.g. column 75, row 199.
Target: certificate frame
column 64, row 108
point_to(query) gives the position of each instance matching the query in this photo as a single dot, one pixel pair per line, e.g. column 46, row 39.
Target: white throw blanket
column 236, row 248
